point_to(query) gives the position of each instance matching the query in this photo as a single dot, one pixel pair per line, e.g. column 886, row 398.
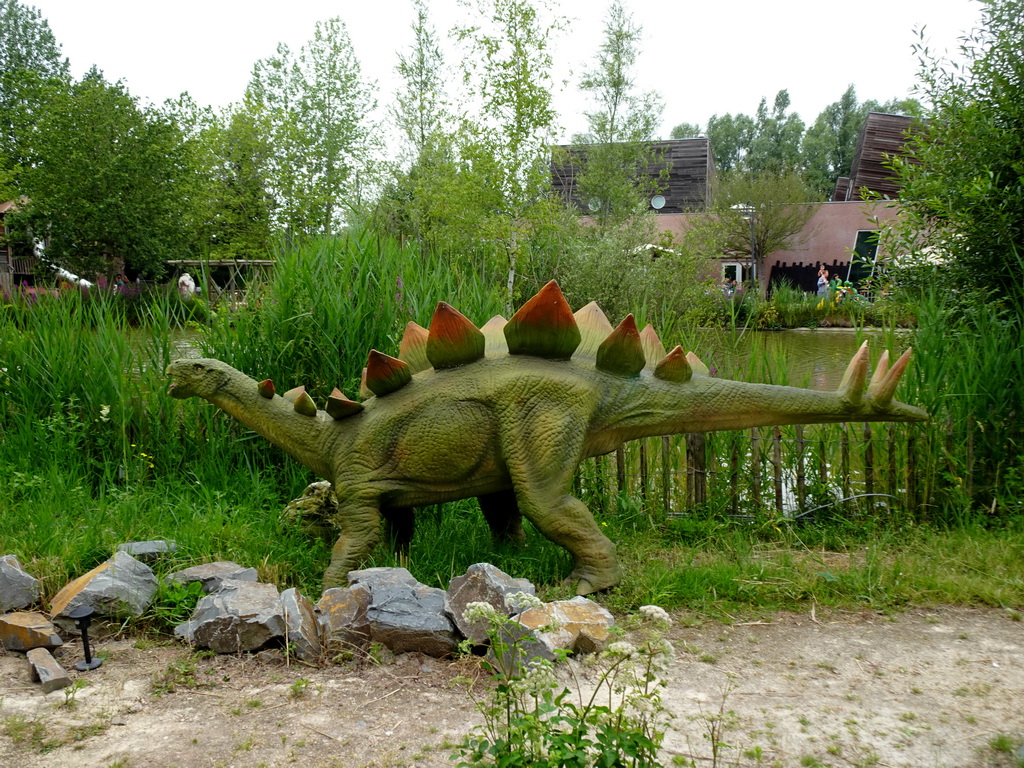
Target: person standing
column 822, row 281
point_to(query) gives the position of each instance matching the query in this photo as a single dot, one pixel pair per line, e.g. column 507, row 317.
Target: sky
column 704, row 58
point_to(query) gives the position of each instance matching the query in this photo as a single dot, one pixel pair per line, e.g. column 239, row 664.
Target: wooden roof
column 881, row 137
column 691, row 173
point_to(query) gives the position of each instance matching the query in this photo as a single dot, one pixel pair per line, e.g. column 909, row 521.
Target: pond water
column 803, row 357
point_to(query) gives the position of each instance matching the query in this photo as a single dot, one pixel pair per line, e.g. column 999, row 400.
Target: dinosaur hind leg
column 360, row 531
column 501, row 511
column 567, row 522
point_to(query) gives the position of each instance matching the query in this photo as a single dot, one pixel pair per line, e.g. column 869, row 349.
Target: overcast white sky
column 703, row 57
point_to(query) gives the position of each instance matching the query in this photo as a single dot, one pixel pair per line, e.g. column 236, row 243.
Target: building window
column 862, row 260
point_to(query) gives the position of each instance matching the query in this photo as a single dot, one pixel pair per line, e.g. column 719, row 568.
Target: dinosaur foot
column 587, row 583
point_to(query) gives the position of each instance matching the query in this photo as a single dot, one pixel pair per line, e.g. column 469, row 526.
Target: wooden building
column 682, row 175
column 883, row 136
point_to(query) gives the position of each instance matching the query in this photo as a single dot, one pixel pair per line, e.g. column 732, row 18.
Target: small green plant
column 71, row 692
column 298, row 689
column 531, row 719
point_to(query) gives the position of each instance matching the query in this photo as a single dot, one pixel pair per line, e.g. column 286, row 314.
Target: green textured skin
column 510, row 430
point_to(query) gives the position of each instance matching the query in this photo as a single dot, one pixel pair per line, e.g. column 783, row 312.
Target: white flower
column 520, row 601
column 656, row 615
column 104, row 412
column 621, row 648
column 479, row 612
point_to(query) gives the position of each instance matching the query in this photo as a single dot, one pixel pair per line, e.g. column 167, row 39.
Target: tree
column 420, row 107
column 618, row 150
column 963, row 177
column 775, row 142
column 312, row 109
column 685, row 131
column 730, row 137
column 29, row 57
column 105, row 185
column 763, row 214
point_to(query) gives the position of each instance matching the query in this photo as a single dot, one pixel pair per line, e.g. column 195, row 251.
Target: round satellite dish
column 657, row 202
column 594, row 204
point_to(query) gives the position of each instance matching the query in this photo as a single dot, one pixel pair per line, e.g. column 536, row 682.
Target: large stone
column 122, row 586
column 312, row 512
column 23, row 631
column 47, row 671
column 482, row 583
column 241, row 616
column 301, row 626
column 148, row 551
column 17, row 588
column 579, row 625
column 343, row 618
column 213, row 575
column 405, row 615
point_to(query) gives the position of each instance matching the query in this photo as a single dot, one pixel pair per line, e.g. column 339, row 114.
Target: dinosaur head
column 197, row 378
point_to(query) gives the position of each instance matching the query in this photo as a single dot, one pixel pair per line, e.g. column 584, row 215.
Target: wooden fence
column 794, row 472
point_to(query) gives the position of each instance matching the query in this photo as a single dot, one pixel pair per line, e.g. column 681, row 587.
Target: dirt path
column 923, row 688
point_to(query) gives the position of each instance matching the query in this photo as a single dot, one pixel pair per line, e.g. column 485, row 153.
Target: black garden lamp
column 81, row 616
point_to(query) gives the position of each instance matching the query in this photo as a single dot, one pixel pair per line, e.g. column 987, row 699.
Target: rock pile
column 387, row 607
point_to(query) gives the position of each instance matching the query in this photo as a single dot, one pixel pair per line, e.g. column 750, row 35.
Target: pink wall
column 829, row 237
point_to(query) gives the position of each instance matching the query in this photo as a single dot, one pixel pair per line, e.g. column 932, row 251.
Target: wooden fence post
column 893, row 480
column 844, row 461
column 643, row 474
column 869, row 460
column 734, row 474
column 666, row 478
column 755, row 469
column 801, row 478
column 777, row 469
column 620, row 469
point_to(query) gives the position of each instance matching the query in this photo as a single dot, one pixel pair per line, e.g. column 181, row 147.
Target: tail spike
column 385, row 374
column 879, row 375
column 414, row 347
column 340, row 407
column 674, row 367
column 304, row 404
column 494, row 336
column 594, row 328
column 266, row 389
column 696, row 365
column 883, row 394
column 544, row 326
column 364, row 391
column 622, row 353
column 654, row 350
column 852, row 385
column 292, row 394
column 453, row 339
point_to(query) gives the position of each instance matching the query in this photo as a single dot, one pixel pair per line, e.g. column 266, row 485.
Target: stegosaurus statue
column 506, row 413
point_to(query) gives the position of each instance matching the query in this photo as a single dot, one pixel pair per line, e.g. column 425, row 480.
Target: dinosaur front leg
column 360, row 526
column 501, row 511
column 566, row 521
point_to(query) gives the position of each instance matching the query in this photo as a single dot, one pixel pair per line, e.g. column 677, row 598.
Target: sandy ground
column 921, row 688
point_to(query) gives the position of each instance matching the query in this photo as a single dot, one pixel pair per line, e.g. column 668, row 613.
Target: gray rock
column 148, row 551
column 482, row 583
column 212, row 575
column 121, row 586
column 23, row 631
column 383, row 576
column 313, row 511
column 410, row 617
column 241, row 616
column 17, row 588
column 301, row 626
column 344, row 624
column 47, row 671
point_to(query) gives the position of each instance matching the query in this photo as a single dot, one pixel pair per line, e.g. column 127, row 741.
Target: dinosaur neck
column 275, row 419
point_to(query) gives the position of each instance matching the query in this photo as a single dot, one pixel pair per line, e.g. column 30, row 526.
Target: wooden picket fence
column 793, row 471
